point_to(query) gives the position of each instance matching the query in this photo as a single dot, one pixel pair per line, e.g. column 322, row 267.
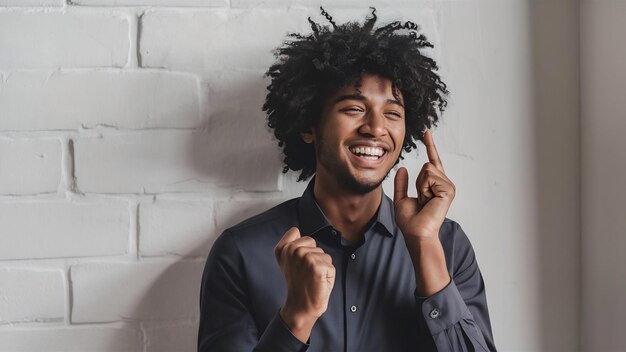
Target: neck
column 348, row 212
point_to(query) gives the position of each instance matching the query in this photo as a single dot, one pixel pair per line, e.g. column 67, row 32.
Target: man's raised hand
column 309, row 276
column 422, row 217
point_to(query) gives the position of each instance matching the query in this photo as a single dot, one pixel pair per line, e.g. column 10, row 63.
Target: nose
column 373, row 124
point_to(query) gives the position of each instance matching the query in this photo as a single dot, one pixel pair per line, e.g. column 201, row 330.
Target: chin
column 361, row 186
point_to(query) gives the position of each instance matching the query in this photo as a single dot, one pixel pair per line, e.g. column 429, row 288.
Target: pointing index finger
column 431, row 150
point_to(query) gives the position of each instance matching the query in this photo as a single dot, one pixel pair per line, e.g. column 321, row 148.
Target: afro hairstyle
column 309, row 69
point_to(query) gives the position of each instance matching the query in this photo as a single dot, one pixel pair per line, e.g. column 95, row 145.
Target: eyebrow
column 362, row 98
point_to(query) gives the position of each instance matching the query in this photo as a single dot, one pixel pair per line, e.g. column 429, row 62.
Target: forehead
column 370, row 86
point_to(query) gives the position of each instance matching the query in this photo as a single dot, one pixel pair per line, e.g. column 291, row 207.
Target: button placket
column 352, row 303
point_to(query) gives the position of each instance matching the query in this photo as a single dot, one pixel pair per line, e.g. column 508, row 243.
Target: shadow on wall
column 237, row 148
column 168, row 309
column 234, row 150
column 555, row 59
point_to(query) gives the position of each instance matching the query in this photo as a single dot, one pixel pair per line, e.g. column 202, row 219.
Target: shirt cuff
column 443, row 309
column 277, row 337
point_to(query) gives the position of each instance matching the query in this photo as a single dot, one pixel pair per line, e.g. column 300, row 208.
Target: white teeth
column 368, row 152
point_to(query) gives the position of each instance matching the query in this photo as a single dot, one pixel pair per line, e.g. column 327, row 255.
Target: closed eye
column 353, row 109
column 395, row 113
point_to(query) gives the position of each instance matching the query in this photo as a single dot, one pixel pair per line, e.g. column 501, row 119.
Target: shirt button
column 435, row 313
column 333, row 232
column 353, row 309
column 353, row 256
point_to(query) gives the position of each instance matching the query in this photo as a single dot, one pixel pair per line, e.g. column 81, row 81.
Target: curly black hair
column 311, row 68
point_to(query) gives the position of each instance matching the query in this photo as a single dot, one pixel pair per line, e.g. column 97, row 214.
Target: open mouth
column 368, row 153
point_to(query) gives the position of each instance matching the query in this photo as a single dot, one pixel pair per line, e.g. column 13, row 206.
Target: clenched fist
column 309, row 276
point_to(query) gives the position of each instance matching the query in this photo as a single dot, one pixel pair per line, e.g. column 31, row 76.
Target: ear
column 308, row 137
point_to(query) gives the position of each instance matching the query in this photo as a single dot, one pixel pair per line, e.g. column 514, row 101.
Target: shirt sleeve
column 226, row 322
column 457, row 317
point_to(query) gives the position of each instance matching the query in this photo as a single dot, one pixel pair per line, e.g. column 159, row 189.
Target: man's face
column 360, row 135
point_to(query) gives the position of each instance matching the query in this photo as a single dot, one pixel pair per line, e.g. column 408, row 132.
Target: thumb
column 400, row 185
column 291, row 235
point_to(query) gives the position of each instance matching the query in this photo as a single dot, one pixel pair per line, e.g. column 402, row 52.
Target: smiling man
column 345, row 268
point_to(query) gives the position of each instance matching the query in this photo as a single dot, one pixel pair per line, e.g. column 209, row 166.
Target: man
column 345, row 268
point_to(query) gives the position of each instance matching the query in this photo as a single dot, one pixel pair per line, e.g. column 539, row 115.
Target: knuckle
column 290, row 249
column 300, row 252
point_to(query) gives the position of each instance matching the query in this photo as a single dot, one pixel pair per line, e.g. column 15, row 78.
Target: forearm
column 429, row 262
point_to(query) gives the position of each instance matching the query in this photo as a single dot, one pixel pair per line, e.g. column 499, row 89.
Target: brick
column 175, row 227
column 329, row 5
column 74, row 338
column 171, row 39
column 177, row 3
column 31, row 2
column 105, row 292
column 231, row 212
column 29, row 166
column 55, row 229
column 63, row 39
column 179, row 337
column 153, row 161
column 31, row 295
column 178, row 161
column 74, row 99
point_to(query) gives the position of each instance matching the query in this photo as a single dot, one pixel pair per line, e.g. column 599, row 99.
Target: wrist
column 422, row 237
column 299, row 323
column 429, row 262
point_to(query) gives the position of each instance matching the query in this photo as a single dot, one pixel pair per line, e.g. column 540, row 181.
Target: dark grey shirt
column 373, row 305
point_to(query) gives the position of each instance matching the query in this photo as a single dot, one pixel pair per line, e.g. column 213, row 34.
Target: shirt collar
column 312, row 218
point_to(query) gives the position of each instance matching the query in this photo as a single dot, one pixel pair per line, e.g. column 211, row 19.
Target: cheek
column 397, row 132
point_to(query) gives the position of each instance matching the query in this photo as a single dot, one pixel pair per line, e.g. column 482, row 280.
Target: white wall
column 131, row 134
column 603, row 82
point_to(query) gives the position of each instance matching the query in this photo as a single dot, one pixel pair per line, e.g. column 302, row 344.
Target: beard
column 355, row 186
column 345, row 179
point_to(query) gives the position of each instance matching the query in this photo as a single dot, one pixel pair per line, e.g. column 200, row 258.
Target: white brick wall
column 105, row 292
column 68, row 100
column 129, row 129
column 31, row 295
column 175, row 336
column 31, row 2
column 153, row 161
column 35, row 39
column 74, row 339
column 177, row 3
column 169, row 227
column 188, row 40
column 56, row 229
column 29, row 166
